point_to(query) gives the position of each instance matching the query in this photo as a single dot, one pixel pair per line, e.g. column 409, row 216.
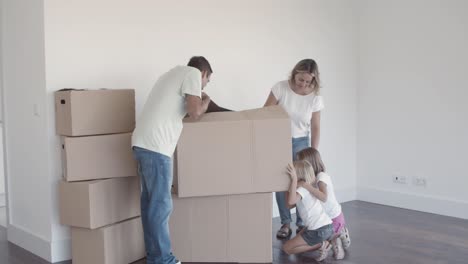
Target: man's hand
column 205, row 102
column 204, row 96
column 195, row 106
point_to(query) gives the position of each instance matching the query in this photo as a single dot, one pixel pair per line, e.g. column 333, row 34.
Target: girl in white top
column 318, row 228
column 326, row 194
column 299, row 96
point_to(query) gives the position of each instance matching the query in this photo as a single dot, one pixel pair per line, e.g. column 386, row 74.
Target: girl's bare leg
column 299, row 245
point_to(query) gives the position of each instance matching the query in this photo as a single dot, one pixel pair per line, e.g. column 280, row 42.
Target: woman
column 299, row 96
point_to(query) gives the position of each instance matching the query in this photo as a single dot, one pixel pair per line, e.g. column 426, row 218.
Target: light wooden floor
column 379, row 234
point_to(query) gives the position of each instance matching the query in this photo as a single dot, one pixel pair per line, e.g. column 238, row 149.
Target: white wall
column 2, row 174
column 408, row 57
column 412, row 104
column 49, row 45
column 251, row 45
column 26, row 129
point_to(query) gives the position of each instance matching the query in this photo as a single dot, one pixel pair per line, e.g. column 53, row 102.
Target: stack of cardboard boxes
column 226, row 167
column 99, row 195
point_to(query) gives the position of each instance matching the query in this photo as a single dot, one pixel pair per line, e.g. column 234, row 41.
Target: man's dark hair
column 200, row 63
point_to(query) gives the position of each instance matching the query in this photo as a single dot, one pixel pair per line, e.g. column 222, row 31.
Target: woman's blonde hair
column 304, row 171
column 313, row 157
column 308, row 66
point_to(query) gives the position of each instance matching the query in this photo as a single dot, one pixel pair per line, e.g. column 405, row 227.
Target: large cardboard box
column 98, row 157
column 234, row 153
column 121, row 243
column 234, row 228
column 93, row 204
column 93, row 112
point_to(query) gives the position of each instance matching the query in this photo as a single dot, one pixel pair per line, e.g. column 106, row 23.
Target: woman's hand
column 292, row 172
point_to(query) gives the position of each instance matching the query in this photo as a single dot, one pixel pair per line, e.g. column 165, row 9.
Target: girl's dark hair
column 313, row 157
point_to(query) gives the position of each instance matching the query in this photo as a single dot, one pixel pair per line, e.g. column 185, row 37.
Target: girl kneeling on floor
column 318, row 225
column 325, row 192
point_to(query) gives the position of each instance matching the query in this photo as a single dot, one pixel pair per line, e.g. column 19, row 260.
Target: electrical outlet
column 420, row 181
column 399, row 179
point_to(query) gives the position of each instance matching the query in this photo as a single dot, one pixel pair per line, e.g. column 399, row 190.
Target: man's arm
column 195, row 106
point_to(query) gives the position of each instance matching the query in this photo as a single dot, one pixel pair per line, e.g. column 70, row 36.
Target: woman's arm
column 315, row 129
column 271, row 100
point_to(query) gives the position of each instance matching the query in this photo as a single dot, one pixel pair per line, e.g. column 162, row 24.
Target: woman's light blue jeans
column 155, row 171
column 298, row 144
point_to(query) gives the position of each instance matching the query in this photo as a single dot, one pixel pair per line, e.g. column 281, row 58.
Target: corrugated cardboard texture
column 234, row 153
column 94, row 204
column 98, row 157
column 234, row 228
column 93, row 112
column 121, row 243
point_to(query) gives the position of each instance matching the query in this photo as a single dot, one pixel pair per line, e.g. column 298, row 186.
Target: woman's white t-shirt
column 299, row 107
column 311, row 210
column 332, row 206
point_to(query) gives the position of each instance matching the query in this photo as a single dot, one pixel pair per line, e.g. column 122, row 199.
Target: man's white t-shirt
column 332, row 206
column 299, row 107
column 160, row 124
column 311, row 210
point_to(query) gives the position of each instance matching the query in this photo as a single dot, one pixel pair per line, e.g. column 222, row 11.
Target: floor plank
column 379, row 234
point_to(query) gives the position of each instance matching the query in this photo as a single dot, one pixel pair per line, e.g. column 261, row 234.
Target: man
column 176, row 94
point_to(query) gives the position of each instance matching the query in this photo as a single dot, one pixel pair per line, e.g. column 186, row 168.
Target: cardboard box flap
column 218, row 117
column 269, row 112
column 259, row 209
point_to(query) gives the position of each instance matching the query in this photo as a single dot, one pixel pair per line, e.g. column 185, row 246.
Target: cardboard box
column 234, row 153
column 93, row 112
column 98, row 157
column 234, row 228
column 93, row 204
column 121, row 243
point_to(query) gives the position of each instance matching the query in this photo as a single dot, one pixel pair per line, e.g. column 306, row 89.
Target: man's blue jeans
column 298, row 144
column 155, row 171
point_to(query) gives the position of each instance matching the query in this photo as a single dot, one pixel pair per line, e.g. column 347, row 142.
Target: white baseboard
column 342, row 195
column 50, row 251
column 2, row 200
column 417, row 202
column 346, row 194
column 32, row 243
column 61, row 250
